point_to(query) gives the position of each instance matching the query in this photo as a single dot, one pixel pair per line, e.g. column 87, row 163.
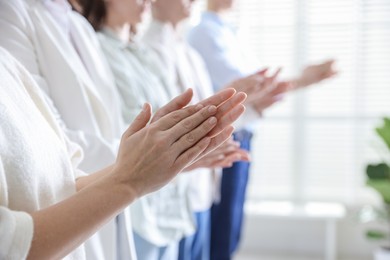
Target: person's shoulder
column 204, row 30
column 15, row 9
column 19, row 4
column 81, row 21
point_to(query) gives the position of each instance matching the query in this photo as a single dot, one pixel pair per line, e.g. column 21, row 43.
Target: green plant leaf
column 384, row 131
column 382, row 187
column 376, row 234
column 378, row 171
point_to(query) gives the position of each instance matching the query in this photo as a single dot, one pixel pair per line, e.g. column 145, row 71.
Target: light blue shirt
column 217, row 43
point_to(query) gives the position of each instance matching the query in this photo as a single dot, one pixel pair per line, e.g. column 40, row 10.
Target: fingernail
column 212, row 109
column 144, row 107
column 212, row 121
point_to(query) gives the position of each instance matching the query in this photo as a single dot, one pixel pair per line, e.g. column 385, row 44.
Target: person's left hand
column 222, row 157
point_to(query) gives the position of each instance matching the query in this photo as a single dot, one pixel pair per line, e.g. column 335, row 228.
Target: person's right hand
column 150, row 155
column 262, row 90
column 229, row 105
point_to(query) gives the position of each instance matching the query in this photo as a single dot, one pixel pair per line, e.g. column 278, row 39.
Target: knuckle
column 176, row 117
column 190, row 138
column 191, row 110
column 152, row 129
column 189, row 156
column 204, row 113
column 187, row 124
column 206, row 127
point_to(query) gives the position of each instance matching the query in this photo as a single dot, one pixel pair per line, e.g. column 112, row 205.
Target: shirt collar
column 114, row 39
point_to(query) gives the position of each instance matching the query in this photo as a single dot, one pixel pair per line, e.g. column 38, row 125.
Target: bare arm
column 170, row 143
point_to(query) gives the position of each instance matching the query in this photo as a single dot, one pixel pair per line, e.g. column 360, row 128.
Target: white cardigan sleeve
column 16, row 228
column 18, row 32
column 16, row 233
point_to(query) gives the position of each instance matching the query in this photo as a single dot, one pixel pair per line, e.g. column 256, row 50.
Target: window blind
column 315, row 144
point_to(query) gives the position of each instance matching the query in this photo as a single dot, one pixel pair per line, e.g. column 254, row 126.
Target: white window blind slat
column 330, row 125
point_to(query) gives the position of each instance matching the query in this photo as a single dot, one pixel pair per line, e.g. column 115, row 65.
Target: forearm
column 84, row 181
column 61, row 228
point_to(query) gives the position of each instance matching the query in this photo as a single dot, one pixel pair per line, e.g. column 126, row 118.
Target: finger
column 192, row 123
column 218, row 140
column 190, row 155
column 260, row 96
column 238, row 155
column 140, row 121
column 276, row 74
column 229, row 160
column 214, row 158
column 221, row 164
column 245, row 156
column 175, row 104
column 331, row 74
column 329, row 63
column 185, row 141
column 239, row 98
column 219, row 98
column 175, row 117
column 225, row 148
column 227, row 120
column 262, row 72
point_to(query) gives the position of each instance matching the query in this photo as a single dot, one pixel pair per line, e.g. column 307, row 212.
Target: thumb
column 140, row 121
column 262, row 72
column 175, row 104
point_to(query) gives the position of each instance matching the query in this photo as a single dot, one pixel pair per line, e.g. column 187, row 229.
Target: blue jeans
column 227, row 215
column 197, row 246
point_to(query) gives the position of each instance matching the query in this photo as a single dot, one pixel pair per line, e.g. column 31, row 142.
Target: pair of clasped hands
column 265, row 90
column 179, row 138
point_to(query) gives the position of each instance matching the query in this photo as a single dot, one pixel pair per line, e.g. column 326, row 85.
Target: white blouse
column 71, row 69
column 139, row 76
column 61, row 50
column 164, row 216
column 37, row 163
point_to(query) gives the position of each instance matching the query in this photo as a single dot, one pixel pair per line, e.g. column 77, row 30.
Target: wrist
column 122, row 188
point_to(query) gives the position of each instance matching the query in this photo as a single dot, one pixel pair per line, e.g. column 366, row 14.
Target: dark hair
column 94, row 11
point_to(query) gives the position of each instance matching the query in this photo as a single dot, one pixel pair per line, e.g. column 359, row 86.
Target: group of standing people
column 87, row 169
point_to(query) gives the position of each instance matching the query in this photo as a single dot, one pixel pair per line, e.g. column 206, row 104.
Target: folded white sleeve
column 16, row 233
